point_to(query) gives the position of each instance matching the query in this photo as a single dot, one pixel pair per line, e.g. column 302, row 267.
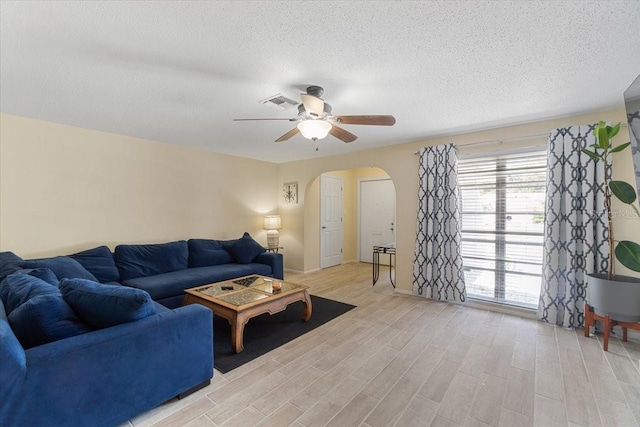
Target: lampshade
column 314, row 129
column 272, row 222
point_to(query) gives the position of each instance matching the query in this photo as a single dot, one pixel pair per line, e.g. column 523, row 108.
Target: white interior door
column 330, row 221
column 377, row 216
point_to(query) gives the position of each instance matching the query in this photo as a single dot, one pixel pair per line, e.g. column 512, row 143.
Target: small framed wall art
column 290, row 193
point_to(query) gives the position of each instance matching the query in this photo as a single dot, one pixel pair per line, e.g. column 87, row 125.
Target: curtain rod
column 502, row 140
column 497, row 141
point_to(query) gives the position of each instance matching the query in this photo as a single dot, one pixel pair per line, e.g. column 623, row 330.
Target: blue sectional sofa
column 79, row 353
column 108, row 376
column 166, row 270
column 96, row 338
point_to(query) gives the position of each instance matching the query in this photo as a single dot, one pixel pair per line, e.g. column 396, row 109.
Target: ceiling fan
column 315, row 120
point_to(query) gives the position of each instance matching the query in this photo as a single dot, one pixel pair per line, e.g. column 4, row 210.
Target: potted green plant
column 610, row 294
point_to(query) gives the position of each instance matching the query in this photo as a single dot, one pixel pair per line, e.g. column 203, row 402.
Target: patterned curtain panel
column 575, row 235
column 437, row 264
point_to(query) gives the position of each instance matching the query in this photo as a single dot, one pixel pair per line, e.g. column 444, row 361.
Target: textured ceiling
column 179, row 72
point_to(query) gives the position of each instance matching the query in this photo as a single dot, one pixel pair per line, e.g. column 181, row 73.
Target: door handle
column 323, row 227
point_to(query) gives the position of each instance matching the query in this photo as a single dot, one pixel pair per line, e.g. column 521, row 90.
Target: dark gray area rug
column 266, row 332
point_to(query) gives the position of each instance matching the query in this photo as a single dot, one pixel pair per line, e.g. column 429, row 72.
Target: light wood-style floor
column 399, row 360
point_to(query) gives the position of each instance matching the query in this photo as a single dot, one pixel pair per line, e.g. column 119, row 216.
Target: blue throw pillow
column 18, row 288
column 43, row 274
column 245, row 249
column 206, row 252
column 99, row 262
column 44, row 319
column 135, row 261
column 101, row 306
column 9, row 263
column 62, row 266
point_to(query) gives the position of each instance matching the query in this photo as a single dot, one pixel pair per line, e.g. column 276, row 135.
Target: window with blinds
column 503, row 200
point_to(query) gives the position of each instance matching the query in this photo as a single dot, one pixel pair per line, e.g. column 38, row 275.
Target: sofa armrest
column 13, row 371
column 108, row 376
column 274, row 261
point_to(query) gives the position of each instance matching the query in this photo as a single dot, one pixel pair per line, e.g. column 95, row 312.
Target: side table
column 390, row 249
column 274, row 250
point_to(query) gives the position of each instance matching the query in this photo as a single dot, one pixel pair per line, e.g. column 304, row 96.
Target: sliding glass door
column 503, row 201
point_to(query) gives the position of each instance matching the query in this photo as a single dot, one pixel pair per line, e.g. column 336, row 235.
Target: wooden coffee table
column 238, row 300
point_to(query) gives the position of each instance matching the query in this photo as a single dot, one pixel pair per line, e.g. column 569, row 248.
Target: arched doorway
column 351, row 182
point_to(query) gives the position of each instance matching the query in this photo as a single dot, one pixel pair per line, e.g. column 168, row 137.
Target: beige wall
column 401, row 164
column 349, row 216
column 311, row 226
column 64, row 189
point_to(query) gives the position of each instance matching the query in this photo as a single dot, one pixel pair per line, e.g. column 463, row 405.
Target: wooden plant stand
column 590, row 318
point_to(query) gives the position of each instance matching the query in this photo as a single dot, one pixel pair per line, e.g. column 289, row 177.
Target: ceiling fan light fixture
column 315, row 120
column 314, row 129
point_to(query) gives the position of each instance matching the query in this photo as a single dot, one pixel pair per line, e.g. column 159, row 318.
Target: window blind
column 503, row 203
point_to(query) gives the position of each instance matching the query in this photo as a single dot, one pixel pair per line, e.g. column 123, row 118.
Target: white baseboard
column 482, row 305
column 501, row 308
column 288, row 270
column 313, row 270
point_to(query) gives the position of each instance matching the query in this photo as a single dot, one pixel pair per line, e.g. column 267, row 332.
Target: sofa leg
column 194, row 389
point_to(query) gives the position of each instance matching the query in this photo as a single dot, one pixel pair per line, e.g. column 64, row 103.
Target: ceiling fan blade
column 288, row 135
column 366, row 120
column 312, row 104
column 342, row 134
column 245, row 120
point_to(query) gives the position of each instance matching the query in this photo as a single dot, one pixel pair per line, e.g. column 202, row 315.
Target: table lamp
column 272, row 224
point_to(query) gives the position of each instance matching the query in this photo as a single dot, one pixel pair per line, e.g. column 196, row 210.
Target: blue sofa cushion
column 113, row 283
column 245, row 249
column 62, row 266
column 172, row 284
column 149, row 260
column 41, row 273
column 9, row 263
column 206, row 252
column 3, row 313
column 18, row 288
column 44, row 319
column 102, row 306
column 99, row 262
column 160, row 308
